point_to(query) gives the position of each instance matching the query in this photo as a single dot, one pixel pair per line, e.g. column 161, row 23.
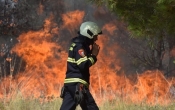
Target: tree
column 16, row 17
column 151, row 20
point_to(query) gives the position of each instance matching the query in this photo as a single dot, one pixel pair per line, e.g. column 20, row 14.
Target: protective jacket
column 80, row 59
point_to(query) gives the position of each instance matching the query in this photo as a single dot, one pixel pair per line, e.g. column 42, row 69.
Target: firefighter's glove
column 95, row 49
column 79, row 93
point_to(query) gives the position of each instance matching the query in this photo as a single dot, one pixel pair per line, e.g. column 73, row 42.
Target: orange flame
column 72, row 20
column 153, row 87
column 44, row 59
column 46, row 67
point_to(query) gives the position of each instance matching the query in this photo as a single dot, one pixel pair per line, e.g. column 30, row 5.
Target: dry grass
column 19, row 103
column 117, row 103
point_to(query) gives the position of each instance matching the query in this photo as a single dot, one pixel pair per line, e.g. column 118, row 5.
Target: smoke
column 33, row 60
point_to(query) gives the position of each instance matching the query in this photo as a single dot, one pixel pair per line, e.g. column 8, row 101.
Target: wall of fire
column 34, row 39
column 21, row 16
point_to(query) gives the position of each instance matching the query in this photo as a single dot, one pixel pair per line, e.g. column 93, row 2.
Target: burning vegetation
column 35, row 64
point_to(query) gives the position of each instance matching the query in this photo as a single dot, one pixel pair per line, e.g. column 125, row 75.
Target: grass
column 19, row 103
column 124, row 106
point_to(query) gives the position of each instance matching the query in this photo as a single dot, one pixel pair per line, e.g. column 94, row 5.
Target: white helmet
column 89, row 29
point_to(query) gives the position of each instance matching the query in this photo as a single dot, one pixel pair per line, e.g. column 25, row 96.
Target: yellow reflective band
column 71, row 48
column 71, row 80
column 72, row 60
column 91, row 59
column 73, row 44
column 81, row 60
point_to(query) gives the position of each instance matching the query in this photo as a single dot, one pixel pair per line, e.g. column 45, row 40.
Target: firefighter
column 82, row 55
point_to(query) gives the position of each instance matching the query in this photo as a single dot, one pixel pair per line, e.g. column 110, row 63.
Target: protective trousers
column 88, row 103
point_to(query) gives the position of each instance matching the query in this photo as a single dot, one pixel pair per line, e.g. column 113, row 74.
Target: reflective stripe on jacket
column 77, row 64
column 70, row 80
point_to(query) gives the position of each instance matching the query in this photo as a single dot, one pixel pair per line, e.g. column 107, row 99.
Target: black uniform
column 79, row 61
